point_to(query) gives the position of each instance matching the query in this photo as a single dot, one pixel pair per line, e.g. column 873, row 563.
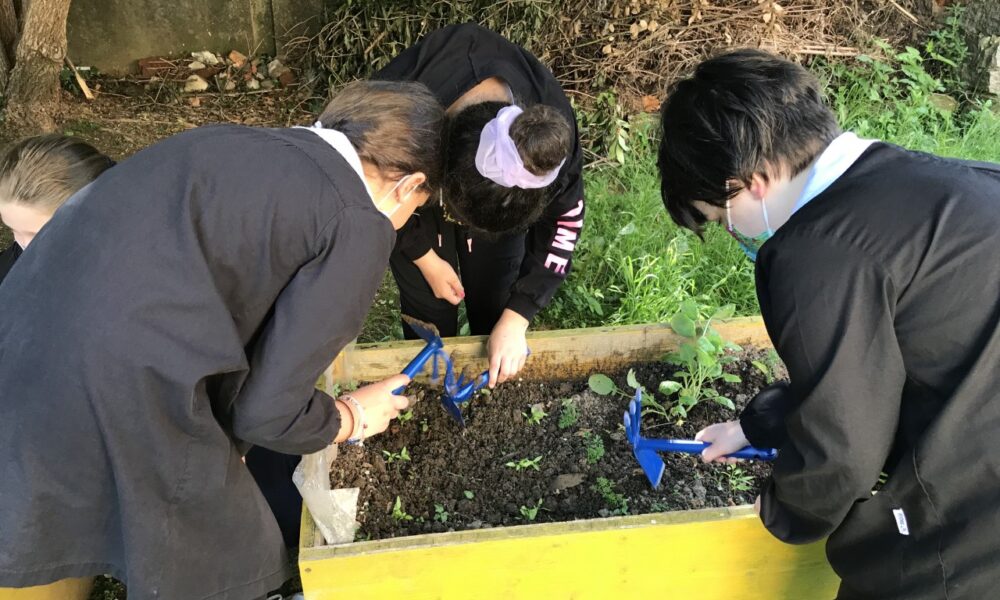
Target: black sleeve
column 417, row 236
column 318, row 313
column 763, row 419
column 550, row 242
column 829, row 310
column 7, row 259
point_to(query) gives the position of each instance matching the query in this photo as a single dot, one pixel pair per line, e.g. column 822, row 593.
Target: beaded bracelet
column 358, row 413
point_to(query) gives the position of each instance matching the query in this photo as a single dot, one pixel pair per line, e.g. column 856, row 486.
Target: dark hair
column 741, row 113
column 45, row 170
column 395, row 125
column 543, row 138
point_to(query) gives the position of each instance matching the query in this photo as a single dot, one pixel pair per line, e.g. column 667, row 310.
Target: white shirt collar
column 343, row 146
column 833, row 162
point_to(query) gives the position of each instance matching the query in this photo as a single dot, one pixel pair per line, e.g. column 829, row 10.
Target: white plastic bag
column 333, row 511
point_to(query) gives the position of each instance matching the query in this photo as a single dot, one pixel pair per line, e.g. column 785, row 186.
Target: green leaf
column 601, row 384
column 686, row 400
column 632, row 381
column 725, row 402
column 669, row 387
column 724, row 312
column 761, row 367
column 730, row 378
column 689, row 308
column 682, row 325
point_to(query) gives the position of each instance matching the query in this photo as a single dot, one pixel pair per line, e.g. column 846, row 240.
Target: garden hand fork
column 645, row 449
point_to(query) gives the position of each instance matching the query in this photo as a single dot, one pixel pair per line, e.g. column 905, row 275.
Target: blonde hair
column 44, row 171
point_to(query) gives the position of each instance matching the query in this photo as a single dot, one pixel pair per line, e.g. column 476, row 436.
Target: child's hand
column 441, row 277
column 725, row 438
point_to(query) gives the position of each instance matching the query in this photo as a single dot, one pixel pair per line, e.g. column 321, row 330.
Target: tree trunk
column 8, row 36
column 33, row 89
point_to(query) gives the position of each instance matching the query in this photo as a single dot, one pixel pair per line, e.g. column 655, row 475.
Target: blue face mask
column 749, row 245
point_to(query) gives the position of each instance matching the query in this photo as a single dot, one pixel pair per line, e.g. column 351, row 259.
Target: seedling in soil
column 738, row 479
column 468, row 494
column 405, row 416
column 530, row 512
column 424, row 426
column 701, row 358
column 537, row 414
column 568, row 415
column 440, row 514
column 615, row 501
column 398, row 513
column 391, row 457
column 594, row 445
column 525, row 463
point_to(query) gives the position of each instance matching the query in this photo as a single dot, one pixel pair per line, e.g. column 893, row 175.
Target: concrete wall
column 112, row 34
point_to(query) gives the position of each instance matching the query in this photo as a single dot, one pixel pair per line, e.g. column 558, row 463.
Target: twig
column 79, row 80
column 905, row 12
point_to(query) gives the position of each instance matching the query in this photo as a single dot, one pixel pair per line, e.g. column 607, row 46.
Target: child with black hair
column 876, row 278
column 511, row 209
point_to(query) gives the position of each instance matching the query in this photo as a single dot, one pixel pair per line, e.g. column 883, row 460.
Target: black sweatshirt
column 882, row 296
column 450, row 62
column 7, row 259
column 183, row 303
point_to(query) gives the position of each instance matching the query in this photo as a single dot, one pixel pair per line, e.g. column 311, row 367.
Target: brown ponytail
column 45, row 170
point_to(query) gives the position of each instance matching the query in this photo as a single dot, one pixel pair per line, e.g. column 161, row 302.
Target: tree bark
column 33, row 89
column 8, row 37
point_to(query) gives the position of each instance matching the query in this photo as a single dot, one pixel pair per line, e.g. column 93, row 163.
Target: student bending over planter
column 877, row 280
column 511, row 211
column 180, row 309
column 37, row 175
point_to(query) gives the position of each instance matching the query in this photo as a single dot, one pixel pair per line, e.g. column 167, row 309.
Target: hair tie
column 497, row 158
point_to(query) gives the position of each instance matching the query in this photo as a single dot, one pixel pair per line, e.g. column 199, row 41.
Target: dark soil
column 448, row 465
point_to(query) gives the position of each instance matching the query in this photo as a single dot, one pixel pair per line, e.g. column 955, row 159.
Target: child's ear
column 759, row 186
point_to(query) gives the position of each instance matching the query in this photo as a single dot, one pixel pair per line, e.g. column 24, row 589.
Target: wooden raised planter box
column 723, row 554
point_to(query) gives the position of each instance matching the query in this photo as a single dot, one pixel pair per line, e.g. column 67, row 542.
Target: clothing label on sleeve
column 901, row 525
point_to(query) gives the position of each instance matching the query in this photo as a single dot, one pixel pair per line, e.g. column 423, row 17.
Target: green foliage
column 701, row 358
column 529, row 513
column 737, row 479
column 468, row 494
column 424, row 426
column 594, row 445
column 391, row 457
column 440, row 514
column 406, row 415
column 568, row 414
column 398, row 513
column 617, row 502
column 603, row 385
column 525, row 463
column 536, row 415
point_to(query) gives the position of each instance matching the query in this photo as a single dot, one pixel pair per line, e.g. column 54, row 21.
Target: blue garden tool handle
column 696, row 447
column 418, row 362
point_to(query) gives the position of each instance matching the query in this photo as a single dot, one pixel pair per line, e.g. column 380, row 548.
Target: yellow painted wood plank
column 554, row 354
column 77, row 588
column 729, row 557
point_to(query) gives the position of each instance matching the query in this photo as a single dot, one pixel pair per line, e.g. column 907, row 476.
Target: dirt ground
column 447, row 478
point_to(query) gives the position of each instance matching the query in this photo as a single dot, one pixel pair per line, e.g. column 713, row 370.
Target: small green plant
column 618, row 503
column 602, row 385
column 440, row 514
column 737, row 479
column 530, row 512
column 424, row 427
column 568, row 414
column 594, row 444
column 398, row 513
column 536, row 415
column 405, row 415
column 468, row 494
column 391, row 457
column 525, row 463
column 701, row 358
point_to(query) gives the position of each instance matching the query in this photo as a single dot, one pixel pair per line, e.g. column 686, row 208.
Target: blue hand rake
column 429, row 334
column 645, row 449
